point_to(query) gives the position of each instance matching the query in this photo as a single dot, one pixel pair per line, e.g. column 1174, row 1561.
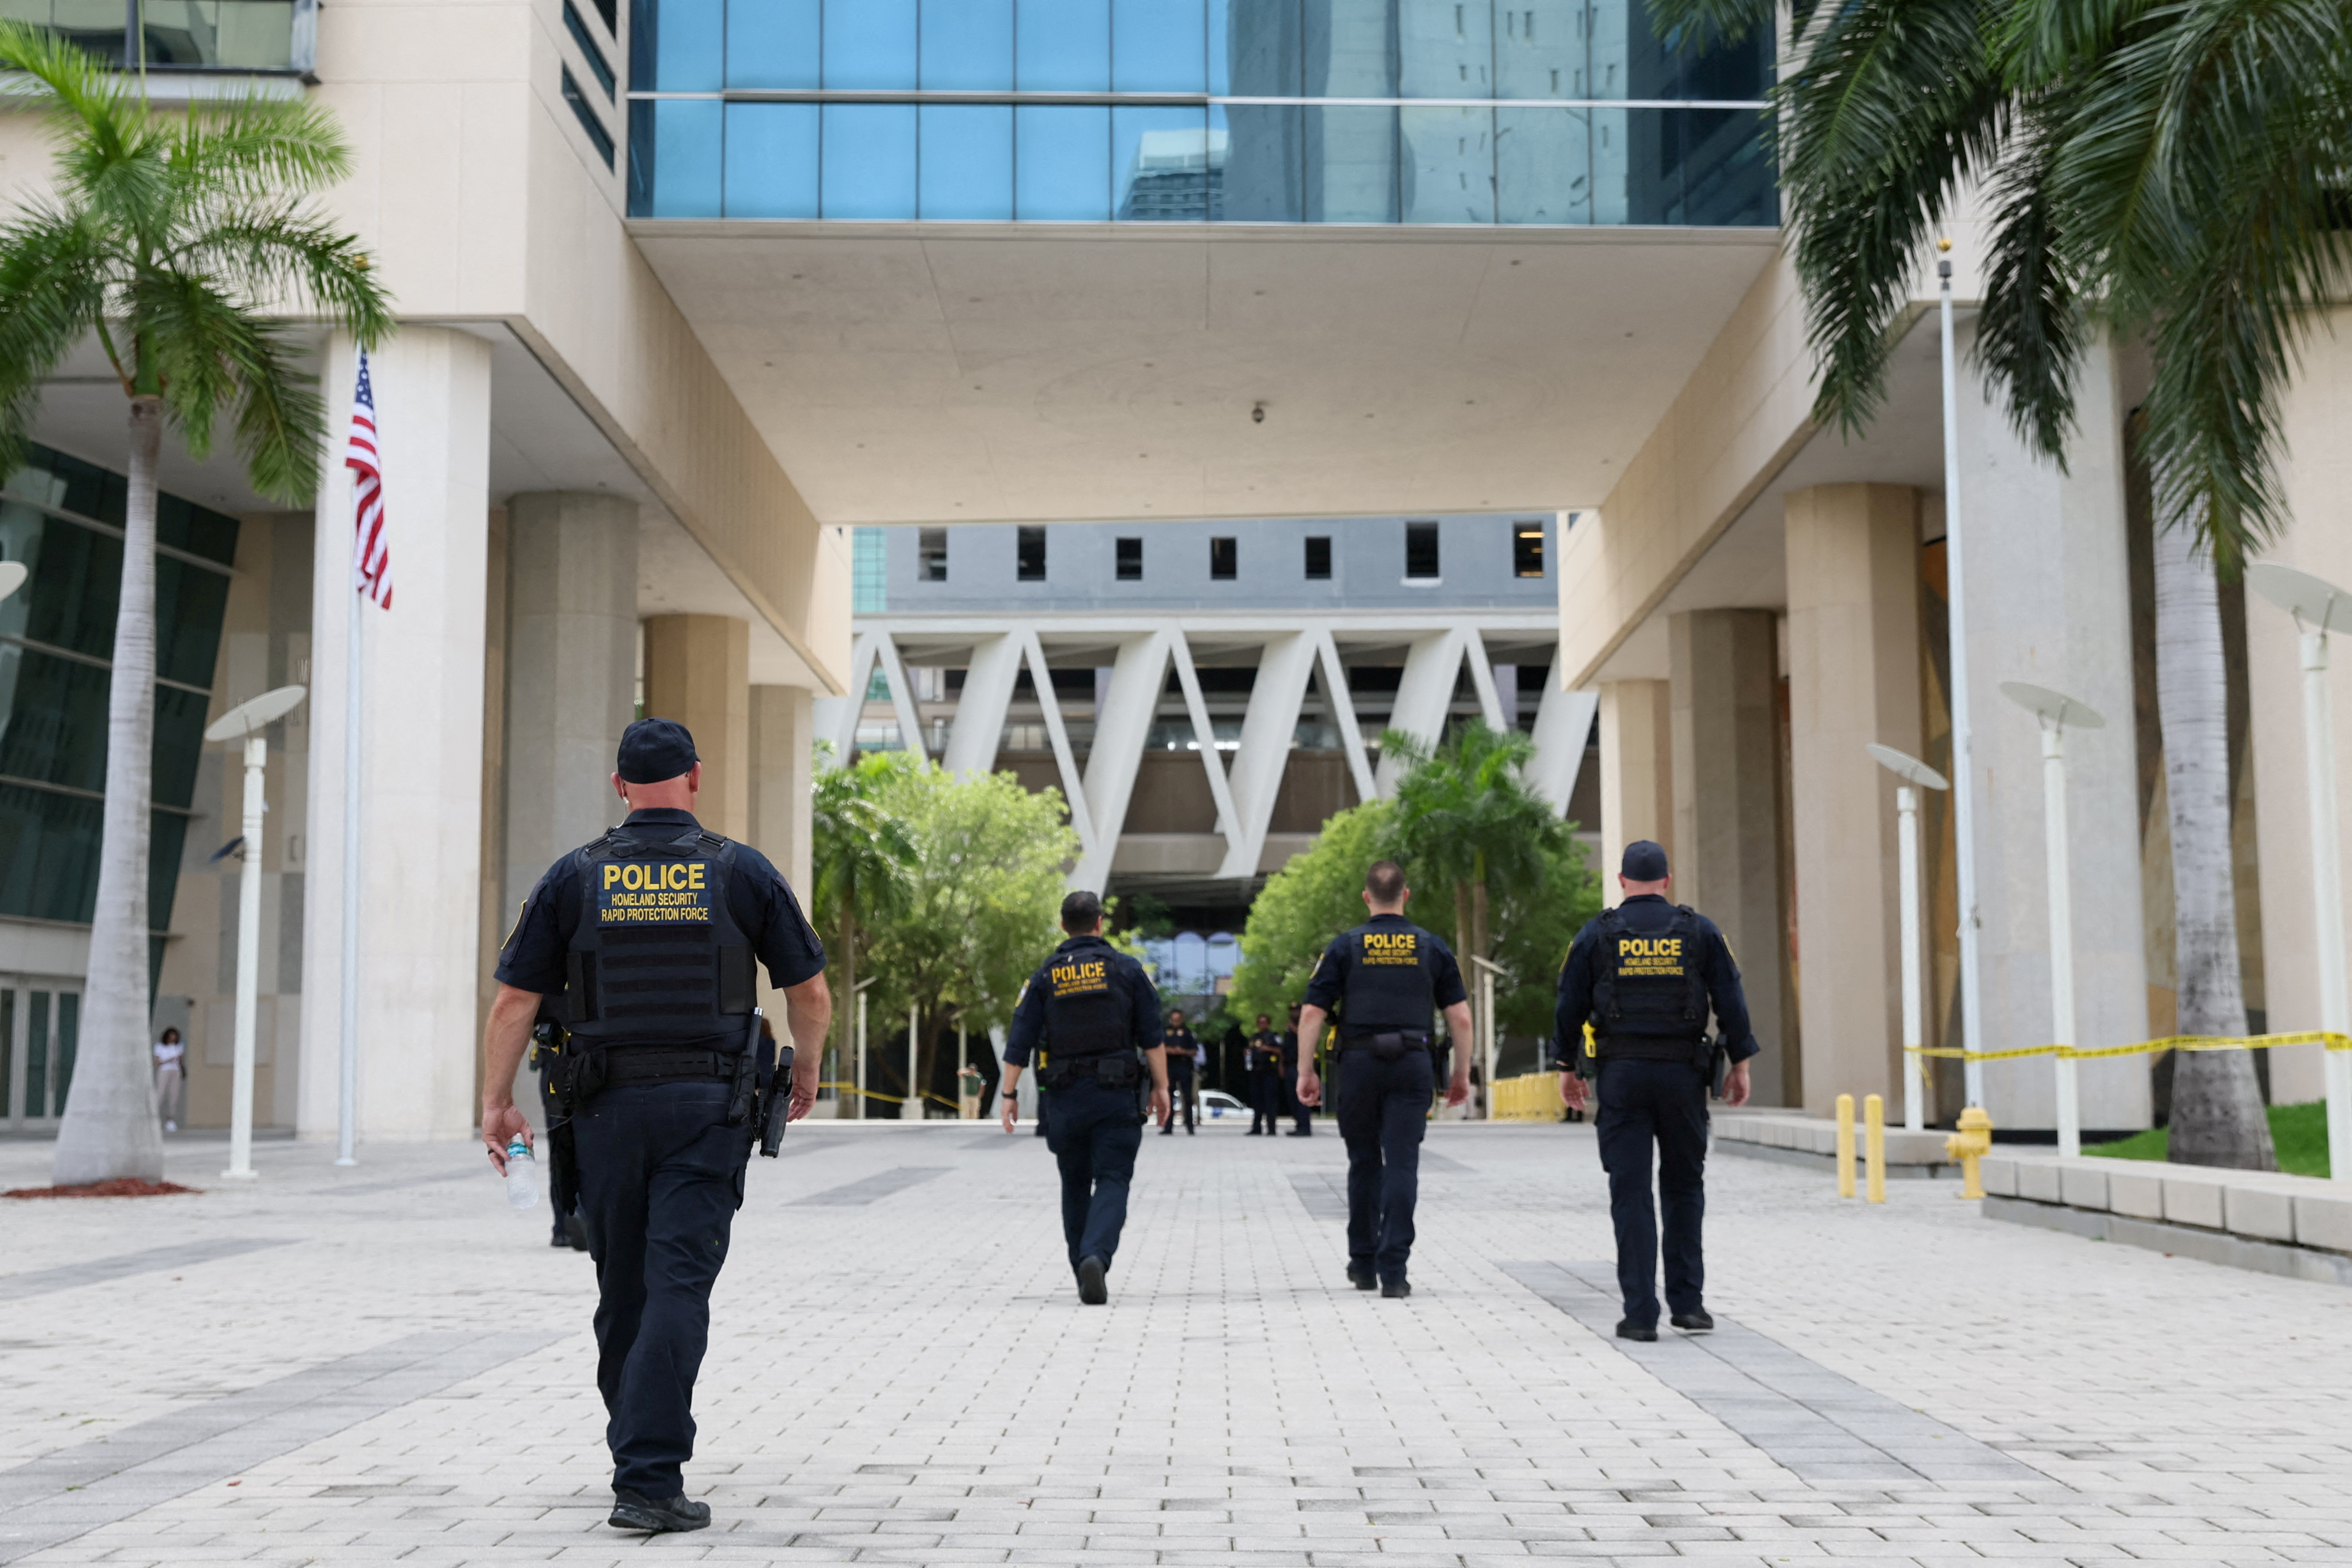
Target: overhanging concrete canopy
column 931, row 372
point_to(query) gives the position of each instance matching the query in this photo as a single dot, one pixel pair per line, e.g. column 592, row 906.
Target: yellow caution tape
column 887, row 1099
column 2145, row 1047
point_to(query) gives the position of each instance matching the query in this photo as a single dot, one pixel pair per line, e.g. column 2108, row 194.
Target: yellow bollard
column 1972, row 1143
column 1873, row 1147
column 1845, row 1145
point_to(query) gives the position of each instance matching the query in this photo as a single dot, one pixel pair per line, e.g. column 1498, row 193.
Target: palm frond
column 254, row 146
column 1727, row 21
column 2031, row 332
column 53, row 278
column 279, row 253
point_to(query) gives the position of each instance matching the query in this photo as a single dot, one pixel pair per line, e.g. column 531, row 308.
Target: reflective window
column 771, row 163
column 674, row 157
column 1445, row 50
column 1159, row 45
column 1265, row 165
column 967, row 46
column 967, row 161
column 868, row 161
column 869, row 44
column 1256, row 47
column 1062, row 46
column 679, row 46
column 1062, row 163
column 1449, row 164
column 1352, row 165
column 773, row 44
column 1170, row 169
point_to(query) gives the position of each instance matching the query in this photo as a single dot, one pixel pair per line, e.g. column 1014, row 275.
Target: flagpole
column 348, row 1094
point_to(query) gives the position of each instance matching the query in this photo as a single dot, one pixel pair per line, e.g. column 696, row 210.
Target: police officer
column 1302, row 1114
column 1383, row 980
column 1093, row 1009
column 1264, row 1076
column 1181, row 1045
column 1646, row 975
column 650, row 934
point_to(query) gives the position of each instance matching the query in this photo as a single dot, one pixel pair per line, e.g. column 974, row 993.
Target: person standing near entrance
column 649, row 934
column 1645, row 975
column 170, row 1079
column 1302, row 1115
column 1094, row 1014
column 1264, row 1076
column 1181, row 1045
column 1383, row 981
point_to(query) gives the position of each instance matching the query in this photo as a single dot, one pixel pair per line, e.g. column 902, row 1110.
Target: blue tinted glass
column 1727, row 171
column 772, row 44
column 673, row 158
column 1170, row 169
column 968, row 45
column 1062, row 168
column 679, row 47
column 772, row 160
column 1445, row 50
column 1065, row 46
column 1351, row 166
column 1541, row 47
column 1449, row 164
column 869, row 161
column 867, row 43
column 967, row 160
column 1543, row 165
column 1350, row 48
column 1255, row 48
column 1265, row 162
column 1159, row 45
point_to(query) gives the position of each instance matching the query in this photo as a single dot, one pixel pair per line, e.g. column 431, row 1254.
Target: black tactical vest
column 1648, row 984
column 1085, row 1016
column 1388, row 988
column 657, row 957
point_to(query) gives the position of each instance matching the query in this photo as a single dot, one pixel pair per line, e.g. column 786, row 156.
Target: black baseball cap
column 1644, row 861
column 653, row 750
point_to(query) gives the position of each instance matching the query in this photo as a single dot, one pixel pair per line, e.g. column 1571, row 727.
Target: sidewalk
column 384, row 1364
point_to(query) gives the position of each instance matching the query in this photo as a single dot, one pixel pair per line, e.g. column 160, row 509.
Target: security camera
column 1257, row 414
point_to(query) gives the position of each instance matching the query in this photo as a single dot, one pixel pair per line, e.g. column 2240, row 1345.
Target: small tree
column 169, row 237
column 861, row 863
column 1315, row 897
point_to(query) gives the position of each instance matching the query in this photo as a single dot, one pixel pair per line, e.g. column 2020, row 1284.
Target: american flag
column 371, row 548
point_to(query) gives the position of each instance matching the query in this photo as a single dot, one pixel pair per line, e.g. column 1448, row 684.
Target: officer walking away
column 1181, row 1045
column 1264, row 1076
column 1646, row 975
column 1383, row 981
column 649, row 935
column 1302, row 1114
column 1096, row 1016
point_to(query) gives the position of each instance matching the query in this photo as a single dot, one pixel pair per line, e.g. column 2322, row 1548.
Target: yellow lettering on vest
column 694, row 875
column 612, row 875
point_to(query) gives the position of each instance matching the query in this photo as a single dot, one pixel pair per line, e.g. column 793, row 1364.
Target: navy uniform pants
column 1647, row 1106
column 1266, row 1094
column 1180, row 1093
column 661, row 1176
column 1384, row 1111
column 1094, row 1133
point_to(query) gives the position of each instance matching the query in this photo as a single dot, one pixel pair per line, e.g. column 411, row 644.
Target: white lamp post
column 249, row 721
column 858, row 1089
column 1486, row 973
column 1964, row 783
column 1911, row 771
column 2320, row 608
column 2056, row 711
column 913, row 1109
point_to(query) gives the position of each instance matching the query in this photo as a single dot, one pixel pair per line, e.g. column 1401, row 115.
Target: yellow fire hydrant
column 1972, row 1143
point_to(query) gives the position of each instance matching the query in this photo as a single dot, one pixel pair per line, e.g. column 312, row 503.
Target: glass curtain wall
column 1378, row 111
column 201, row 35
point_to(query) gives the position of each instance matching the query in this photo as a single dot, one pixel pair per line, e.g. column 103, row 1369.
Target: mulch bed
column 120, row 1187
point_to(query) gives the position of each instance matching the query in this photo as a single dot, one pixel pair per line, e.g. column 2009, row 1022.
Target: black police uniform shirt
column 1385, row 976
column 1650, row 915
column 1181, row 1044
column 1265, row 1052
column 757, row 898
column 1123, row 975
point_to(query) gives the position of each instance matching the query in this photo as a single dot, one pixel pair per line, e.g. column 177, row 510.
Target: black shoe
column 576, row 1230
column 1396, row 1290
column 1627, row 1329
column 1362, row 1279
column 1697, row 1321
column 1092, row 1289
column 1189, row 1131
column 1167, row 1132
column 562, row 1238
column 1296, row 1133
column 631, row 1511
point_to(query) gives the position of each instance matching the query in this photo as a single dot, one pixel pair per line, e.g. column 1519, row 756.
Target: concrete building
column 689, row 292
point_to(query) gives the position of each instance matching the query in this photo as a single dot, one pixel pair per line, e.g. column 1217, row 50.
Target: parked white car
column 1216, row 1103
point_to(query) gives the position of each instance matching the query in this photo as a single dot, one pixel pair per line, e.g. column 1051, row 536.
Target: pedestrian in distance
column 1302, row 1115
column 1646, row 975
column 1382, row 982
column 649, row 935
column 1265, row 1052
column 1095, row 1016
column 1181, row 1045
column 170, row 1079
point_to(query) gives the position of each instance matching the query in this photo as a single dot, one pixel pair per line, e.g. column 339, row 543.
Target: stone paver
column 900, row 1373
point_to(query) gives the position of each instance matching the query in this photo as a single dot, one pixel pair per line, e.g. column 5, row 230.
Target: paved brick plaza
column 387, row 1364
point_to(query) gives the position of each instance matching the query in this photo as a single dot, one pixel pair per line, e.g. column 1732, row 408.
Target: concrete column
column 1637, row 775
column 1726, row 850
column 2317, row 479
column 571, row 670
column 698, row 672
column 782, row 749
column 1853, row 677
column 420, row 782
column 2049, row 602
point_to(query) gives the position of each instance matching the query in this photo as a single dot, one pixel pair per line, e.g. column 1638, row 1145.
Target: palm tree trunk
column 2217, row 1108
column 110, row 1128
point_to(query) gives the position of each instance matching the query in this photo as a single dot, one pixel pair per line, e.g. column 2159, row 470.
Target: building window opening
column 1527, row 550
column 1030, row 554
column 1131, row 561
column 598, row 137
column 931, row 556
column 1318, row 558
column 1421, row 552
column 1224, row 560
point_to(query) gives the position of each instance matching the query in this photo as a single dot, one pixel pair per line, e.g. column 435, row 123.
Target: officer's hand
column 1572, row 1092
column 1735, row 1085
column 1457, row 1091
column 1004, row 1109
column 1310, row 1088
column 502, row 1125
column 806, row 1069
column 1160, row 1107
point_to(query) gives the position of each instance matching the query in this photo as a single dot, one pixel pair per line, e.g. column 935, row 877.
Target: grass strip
column 2298, row 1132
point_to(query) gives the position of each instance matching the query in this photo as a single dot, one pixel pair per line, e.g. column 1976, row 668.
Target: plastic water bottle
column 522, row 1175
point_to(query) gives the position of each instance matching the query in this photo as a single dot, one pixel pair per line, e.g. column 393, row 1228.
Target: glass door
column 40, row 1028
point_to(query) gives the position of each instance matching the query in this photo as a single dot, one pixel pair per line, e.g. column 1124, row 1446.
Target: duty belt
column 665, row 1064
column 1386, row 1045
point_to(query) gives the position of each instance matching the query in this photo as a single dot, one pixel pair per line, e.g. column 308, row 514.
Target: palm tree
column 862, row 862
column 2172, row 172
column 169, row 238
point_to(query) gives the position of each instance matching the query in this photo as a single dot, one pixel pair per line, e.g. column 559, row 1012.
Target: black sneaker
column 1697, row 1321
column 576, row 1229
column 631, row 1511
column 1396, row 1290
column 1627, row 1329
column 1092, row 1288
column 1362, row 1279
column 1168, row 1132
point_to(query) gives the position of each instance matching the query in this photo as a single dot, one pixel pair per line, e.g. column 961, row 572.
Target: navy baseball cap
column 653, row 750
column 1644, row 862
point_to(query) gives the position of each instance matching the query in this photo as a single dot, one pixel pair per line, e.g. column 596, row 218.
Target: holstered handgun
column 1718, row 1063
column 743, row 1102
column 775, row 1099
